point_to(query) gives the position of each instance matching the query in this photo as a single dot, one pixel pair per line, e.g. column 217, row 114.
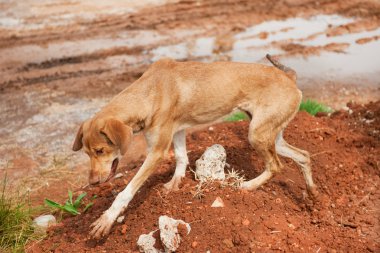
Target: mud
column 277, row 217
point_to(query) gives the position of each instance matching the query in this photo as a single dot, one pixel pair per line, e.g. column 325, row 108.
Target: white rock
column 211, row 164
column 120, row 219
column 169, row 235
column 44, row 221
column 118, row 175
column 218, row 202
column 146, row 243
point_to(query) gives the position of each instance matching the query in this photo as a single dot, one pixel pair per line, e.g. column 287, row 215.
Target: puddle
column 358, row 61
column 252, row 46
column 292, row 28
column 201, row 47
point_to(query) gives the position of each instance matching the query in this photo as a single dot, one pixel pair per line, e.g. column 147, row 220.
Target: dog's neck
column 135, row 115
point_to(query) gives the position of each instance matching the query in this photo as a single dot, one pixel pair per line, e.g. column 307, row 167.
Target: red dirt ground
column 345, row 151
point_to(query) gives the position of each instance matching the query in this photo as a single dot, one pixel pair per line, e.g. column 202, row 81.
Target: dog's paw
column 313, row 193
column 101, row 227
column 173, row 184
column 248, row 186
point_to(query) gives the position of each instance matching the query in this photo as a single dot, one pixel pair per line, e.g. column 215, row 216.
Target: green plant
column 313, row 107
column 16, row 224
column 70, row 206
column 237, row 117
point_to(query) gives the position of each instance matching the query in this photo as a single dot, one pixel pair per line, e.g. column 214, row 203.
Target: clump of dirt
column 368, row 24
column 295, row 48
column 345, row 151
column 367, row 39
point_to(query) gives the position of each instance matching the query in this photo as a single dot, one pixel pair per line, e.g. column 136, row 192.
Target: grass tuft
column 310, row 106
column 70, row 206
column 238, row 116
column 16, row 224
column 233, row 179
column 313, row 107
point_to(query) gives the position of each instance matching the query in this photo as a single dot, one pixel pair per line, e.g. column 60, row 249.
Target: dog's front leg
column 102, row 226
column 159, row 141
column 179, row 142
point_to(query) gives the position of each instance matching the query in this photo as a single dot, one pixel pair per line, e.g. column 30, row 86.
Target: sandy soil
column 61, row 61
column 276, row 217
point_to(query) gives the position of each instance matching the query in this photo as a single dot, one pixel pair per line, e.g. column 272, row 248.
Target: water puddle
column 292, row 28
column 252, row 44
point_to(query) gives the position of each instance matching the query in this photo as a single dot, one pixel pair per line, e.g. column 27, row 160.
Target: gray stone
column 44, row 221
column 169, row 234
column 146, row 243
column 210, row 166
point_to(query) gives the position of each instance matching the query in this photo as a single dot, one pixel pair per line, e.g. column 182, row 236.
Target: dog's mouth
column 113, row 169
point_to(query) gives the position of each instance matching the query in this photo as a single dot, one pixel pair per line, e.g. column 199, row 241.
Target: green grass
column 70, row 206
column 237, row 117
column 313, row 107
column 16, row 223
column 310, row 106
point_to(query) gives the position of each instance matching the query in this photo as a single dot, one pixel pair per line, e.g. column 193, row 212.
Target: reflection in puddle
column 289, row 29
column 201, row 47
column 252, row 44
column 358, row 61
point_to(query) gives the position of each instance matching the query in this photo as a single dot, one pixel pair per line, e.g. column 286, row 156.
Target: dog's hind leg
column 262, row 136
column 301, row 157
column 179, row 143
column 268, row 120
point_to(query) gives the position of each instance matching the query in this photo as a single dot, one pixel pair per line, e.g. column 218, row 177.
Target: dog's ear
column 78, row 144
column 118, row 133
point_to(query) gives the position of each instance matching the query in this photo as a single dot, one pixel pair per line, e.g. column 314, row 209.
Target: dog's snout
column 94, row 180
column 97, row 178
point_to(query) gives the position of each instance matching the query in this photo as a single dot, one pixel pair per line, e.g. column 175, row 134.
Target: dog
column 172, row 96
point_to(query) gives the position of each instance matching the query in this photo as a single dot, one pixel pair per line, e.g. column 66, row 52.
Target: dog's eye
column 99, row 151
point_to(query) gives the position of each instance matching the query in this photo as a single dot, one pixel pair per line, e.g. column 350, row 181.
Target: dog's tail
column 288, row 71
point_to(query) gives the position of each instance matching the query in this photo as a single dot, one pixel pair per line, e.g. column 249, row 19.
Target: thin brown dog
column 172, row 96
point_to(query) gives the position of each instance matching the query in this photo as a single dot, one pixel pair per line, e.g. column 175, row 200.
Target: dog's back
column 208, row 91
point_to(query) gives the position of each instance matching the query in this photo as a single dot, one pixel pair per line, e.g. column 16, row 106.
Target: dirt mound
column 277, row 217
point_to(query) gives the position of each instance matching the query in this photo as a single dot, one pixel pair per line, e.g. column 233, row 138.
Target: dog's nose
column 94, row 180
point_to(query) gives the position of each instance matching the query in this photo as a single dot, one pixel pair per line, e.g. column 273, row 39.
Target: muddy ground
column 278, row 217
column 61, row 61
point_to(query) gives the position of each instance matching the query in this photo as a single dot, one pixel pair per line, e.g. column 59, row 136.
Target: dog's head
column 105, row 141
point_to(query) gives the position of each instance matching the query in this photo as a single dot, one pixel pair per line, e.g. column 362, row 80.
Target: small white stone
column 169, row 235
column 210, row 166
column 118, row 175
column 218, row 202
column 120, row 219
column 44, row 221
column 146, row 243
